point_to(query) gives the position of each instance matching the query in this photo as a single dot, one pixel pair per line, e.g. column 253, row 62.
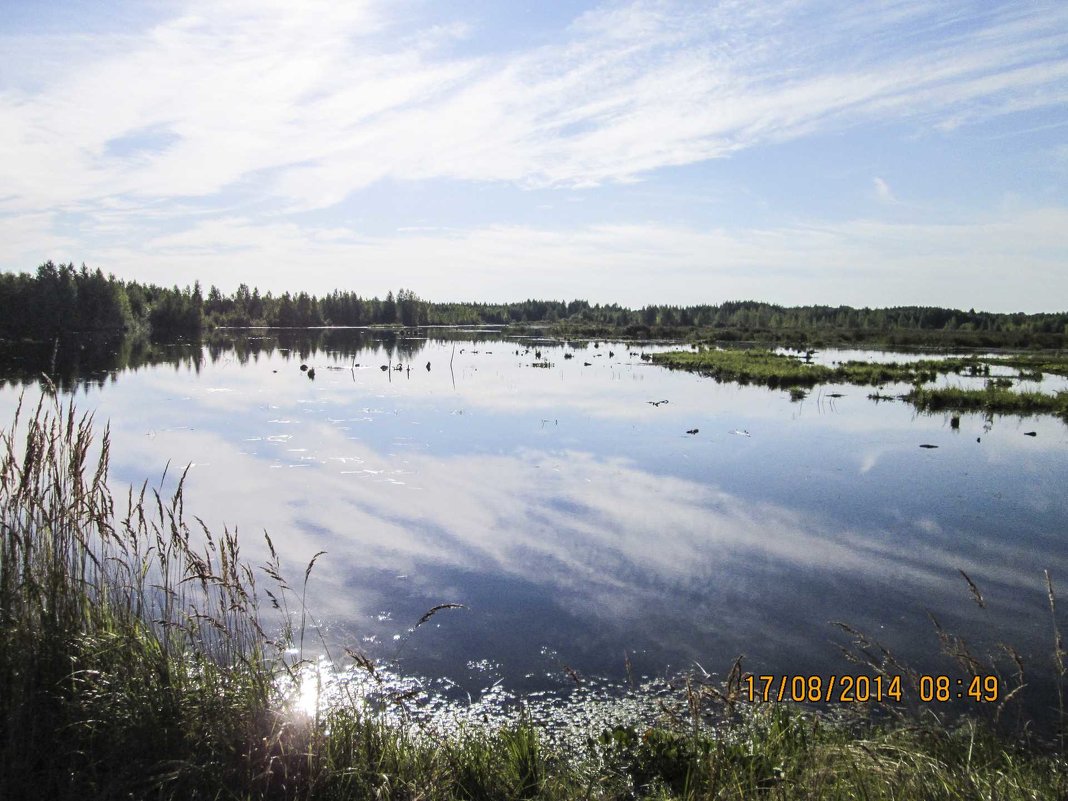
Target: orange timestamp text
column 861, row 689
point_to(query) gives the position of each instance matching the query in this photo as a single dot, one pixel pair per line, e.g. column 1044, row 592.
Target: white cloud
column 27, row 240
column 883, row 190
column 335, row 99
column 995, row 263
column 253, row 116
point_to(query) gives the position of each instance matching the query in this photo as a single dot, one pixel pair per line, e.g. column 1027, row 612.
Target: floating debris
column 1030, row 433
column 434, row 610
column 692, row 430
column 311, row 373
column 304, row 368
column 656, row 403
column 954, row 422
column 927, row 445
column 741, row 432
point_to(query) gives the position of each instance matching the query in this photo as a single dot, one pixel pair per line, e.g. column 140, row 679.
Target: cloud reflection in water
column 575, row 521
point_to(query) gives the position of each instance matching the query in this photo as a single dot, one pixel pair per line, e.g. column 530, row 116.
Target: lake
column 562, row 502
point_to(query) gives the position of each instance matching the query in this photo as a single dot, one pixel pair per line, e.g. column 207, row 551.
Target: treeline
column 62, row 299
column 247, row 307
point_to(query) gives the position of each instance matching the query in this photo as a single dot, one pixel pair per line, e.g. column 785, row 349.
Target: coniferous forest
column 63, row 299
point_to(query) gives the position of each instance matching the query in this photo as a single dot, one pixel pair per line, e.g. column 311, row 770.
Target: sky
column 892, row 152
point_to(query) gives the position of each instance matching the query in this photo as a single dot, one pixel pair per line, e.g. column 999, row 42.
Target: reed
column 131, row 653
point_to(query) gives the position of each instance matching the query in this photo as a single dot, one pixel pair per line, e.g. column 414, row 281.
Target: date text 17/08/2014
column 864, row 689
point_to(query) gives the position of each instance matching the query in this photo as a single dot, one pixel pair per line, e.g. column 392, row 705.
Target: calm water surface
column 578, row 523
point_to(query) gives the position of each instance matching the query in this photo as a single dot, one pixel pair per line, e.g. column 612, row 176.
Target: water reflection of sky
column 576, row 521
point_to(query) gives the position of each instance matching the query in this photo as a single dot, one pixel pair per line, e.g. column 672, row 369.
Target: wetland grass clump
column 995, row 397
column 791, row 372
column 757, row 366
column 134, row 664
column 747, row 367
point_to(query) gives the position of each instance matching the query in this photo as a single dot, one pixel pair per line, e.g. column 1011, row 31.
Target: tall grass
column 131, row 654
column 134, row 663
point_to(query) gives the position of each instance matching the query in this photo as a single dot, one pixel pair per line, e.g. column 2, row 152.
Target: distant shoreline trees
column 62, row 299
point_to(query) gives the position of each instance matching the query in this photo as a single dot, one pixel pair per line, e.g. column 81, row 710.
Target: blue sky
column 867, row 153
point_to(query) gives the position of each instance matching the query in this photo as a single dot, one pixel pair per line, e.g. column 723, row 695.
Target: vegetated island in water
column 797, row 372
column 136, row 662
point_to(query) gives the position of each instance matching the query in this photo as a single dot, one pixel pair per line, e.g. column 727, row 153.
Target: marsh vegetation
column 794, row 371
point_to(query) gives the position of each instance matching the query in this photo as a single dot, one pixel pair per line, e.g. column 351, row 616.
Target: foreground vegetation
column 60, row 298
column 134, row 663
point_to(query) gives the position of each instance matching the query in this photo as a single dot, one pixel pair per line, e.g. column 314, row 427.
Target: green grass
column 758, row 366
column 1034, row 364
column 776, row 751
column 134, row 663
column 791, row 372
column 994, row 398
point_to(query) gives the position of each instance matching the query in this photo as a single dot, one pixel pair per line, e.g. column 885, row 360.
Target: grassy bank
column 143, row 658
